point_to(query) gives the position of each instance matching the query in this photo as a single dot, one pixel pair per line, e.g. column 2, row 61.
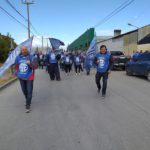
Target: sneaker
column 79, row 74
column 103, row 96
column 28, row 109
column 98, row 91
column 58, row 79
column 76, row 74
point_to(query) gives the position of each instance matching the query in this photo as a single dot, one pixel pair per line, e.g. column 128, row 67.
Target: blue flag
column 92, row 49
column 12, row 57
column 56, row 43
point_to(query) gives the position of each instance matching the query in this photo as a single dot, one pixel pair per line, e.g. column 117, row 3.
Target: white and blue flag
column 92, row 49
column 56, row 43
column 12, row 57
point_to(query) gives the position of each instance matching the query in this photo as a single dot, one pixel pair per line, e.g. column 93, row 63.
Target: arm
column 58, row 57
column 95, row 61
column 16, row 67
column 110, row 64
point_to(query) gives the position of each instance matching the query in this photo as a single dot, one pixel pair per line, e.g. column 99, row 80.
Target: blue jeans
column 27, row 89
column 98, row 77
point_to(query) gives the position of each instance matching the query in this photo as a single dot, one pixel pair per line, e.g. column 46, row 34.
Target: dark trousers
column 54, row 71
column 27, row 89
column 62, row 66
column 81, row 68
column 88, row 70
column 67, row 68
column 77, row 68
column 98, row 78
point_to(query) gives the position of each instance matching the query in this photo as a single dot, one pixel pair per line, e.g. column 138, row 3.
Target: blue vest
column 52, row 58
column 67, row 59
column 87, row 62
column 135, row 56
column 24, row 71
column 103, row 65
column 77, row 60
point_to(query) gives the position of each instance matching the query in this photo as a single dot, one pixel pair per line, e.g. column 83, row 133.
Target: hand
column 28, row 62
column 97, row 61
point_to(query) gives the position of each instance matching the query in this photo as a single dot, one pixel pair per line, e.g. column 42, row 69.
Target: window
column 116, row 53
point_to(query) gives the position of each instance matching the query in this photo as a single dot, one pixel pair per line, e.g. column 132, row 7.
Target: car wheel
column 148, row 76
column 123, row 68
column 128, row 72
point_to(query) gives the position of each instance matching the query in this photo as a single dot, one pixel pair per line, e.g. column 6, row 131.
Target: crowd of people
column 53, row 61
column 136, row 54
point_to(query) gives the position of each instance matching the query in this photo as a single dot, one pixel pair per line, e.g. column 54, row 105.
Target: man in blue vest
column 25, row 66
column 77, row 62
column 53, row 59
column 135, row 56
column 67, row 62
column 88, row 64
column 103, row 60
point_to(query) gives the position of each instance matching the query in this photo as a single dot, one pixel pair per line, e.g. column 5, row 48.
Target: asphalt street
column 71, row 115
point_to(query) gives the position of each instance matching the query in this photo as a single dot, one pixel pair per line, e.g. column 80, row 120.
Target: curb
column 8, row 83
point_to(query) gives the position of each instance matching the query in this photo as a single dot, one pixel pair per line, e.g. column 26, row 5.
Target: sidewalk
column 7, row 79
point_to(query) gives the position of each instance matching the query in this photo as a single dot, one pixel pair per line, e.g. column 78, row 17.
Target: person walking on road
column 87, row 65
column 53, row 68
column 103, row 61
column 67, row 62
column 77, row 62
column 135, row 56
column 25, row 68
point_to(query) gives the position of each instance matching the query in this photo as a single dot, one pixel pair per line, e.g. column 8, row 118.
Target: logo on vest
column 53, row 56
column 23, row 67
column 101, row 62
column 67, row 60
column 77, row 59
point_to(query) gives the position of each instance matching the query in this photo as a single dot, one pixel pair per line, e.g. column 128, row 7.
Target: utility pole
column 42, row 44
column 28, row 3
column 47, row 44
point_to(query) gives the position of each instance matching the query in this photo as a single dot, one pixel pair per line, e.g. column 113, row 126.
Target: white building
column 113, row 44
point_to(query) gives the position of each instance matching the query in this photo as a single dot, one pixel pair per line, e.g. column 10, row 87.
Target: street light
column 129, row 24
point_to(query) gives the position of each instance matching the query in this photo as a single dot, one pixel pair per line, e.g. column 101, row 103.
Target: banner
column 56, row 43
column 12, row 57
column 92, row 49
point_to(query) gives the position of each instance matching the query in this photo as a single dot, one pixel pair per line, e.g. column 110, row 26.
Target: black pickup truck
column 119, row 59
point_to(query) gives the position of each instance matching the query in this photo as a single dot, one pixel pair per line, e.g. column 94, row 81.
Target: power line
column 14, row 18
column 116, row 11
column 13, row 7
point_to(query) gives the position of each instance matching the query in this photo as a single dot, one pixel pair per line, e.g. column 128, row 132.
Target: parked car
column 140, row 67
column 119, row 59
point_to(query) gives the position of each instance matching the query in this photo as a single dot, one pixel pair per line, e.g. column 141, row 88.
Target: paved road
column 70, row 115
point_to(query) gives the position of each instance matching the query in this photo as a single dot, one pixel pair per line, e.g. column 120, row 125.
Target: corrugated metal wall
column 83, row 42
column 112, row 44
column 130, row 43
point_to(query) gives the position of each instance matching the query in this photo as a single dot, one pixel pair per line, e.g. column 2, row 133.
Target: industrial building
column 129, row 42
column 82, row 43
